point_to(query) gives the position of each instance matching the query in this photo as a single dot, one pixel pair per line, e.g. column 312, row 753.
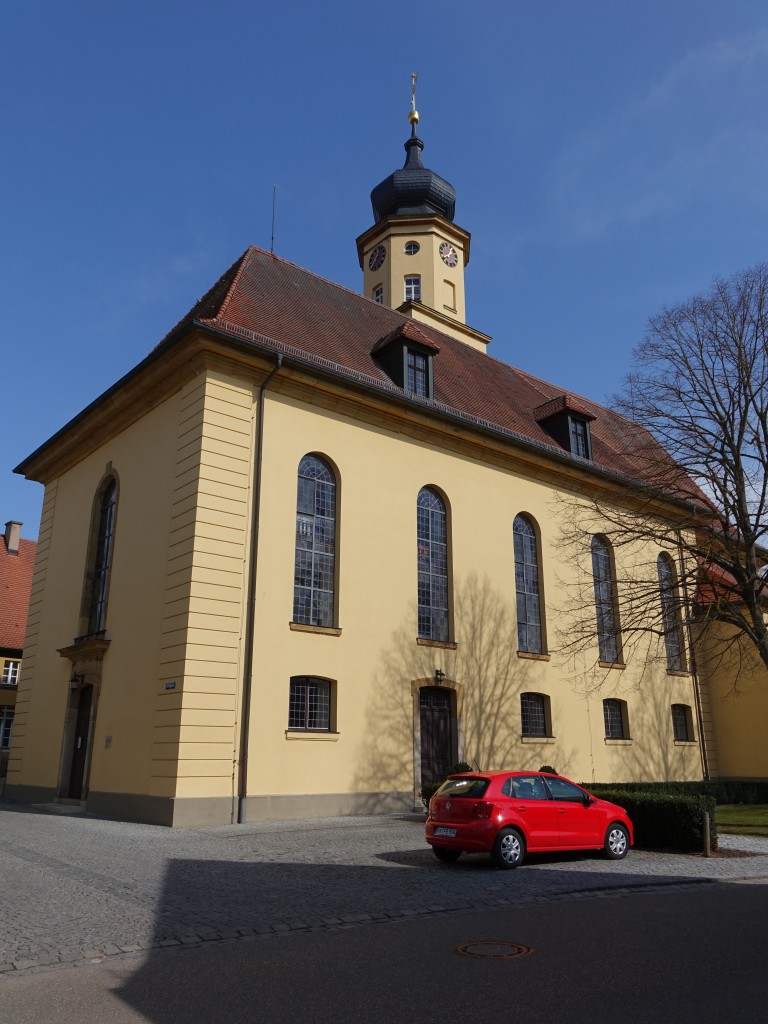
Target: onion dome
column 414, row 190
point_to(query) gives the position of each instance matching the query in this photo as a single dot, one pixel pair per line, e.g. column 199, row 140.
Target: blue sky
column 609, row 158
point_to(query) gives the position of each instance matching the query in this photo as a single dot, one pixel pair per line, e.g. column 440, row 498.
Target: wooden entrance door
column 437, row 733
column 80, row 744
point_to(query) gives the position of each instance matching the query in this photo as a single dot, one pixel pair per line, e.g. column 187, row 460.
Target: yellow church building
column 303, row 558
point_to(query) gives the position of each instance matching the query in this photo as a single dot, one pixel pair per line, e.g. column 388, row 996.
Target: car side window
column 562, row 790
column 525, row 788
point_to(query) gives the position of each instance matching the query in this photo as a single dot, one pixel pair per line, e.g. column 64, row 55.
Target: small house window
column 413, row 288
column 6, row 727
column 534, row 714
column 10, row 673
column 309, row 706
column 682, row 723
column 616, row 722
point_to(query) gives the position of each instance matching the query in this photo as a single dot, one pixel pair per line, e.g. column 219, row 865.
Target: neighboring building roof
column 15, row 588
column 273, row 301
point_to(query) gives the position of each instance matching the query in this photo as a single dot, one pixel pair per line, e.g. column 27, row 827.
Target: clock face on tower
column 448, row 254
column 377, row 257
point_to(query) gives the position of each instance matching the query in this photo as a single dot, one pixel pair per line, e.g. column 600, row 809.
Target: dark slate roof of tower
column 413, row 190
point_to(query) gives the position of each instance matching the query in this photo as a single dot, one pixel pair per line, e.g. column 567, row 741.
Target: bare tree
column 697, row 456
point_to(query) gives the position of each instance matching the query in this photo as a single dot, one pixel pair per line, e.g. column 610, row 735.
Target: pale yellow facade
column 734, row 686
column 165, row 729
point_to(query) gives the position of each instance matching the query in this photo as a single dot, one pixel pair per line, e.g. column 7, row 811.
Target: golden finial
column 413, row 117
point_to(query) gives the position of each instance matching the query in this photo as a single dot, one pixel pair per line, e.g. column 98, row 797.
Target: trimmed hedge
column 664, row 821
column 722, row 791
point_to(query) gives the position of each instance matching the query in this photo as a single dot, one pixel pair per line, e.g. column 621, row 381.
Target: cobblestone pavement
column 81, row 888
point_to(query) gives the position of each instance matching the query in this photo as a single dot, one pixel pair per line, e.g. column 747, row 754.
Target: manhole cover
column 489, row 950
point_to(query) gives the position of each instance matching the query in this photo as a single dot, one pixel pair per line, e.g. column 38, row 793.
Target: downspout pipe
column 250, row 619
column 692, row 663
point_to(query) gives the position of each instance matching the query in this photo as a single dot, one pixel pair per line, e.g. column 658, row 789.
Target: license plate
column 445, row 832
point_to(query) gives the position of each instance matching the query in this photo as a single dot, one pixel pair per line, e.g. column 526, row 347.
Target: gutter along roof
column 276, row 306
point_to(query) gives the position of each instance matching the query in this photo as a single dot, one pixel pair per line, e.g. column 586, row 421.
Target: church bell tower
column 413, row 258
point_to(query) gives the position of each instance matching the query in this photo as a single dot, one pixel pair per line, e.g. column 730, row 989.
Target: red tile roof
column 15, row 587
column 284, row 307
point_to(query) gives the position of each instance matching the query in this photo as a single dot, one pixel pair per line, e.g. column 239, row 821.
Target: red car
column 508, row 814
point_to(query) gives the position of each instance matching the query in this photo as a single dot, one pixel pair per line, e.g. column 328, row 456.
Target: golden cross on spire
column 413, row 117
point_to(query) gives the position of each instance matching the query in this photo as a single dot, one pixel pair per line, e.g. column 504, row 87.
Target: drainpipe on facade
column 692, row 658
column 242, row 789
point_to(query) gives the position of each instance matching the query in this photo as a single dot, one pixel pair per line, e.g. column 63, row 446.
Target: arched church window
column 432, row 544
column 314, row 579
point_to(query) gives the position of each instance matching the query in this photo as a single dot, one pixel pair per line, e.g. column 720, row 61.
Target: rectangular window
column 10, row 673
column 580, row 438
column 418, row 374
column 6, row 727
column 682, row 725
column 413, row 288
column 613, row 713
column 378, row 293
column 533, row 714
column 309, row 706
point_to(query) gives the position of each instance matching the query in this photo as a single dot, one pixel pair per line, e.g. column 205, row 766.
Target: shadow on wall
column 488, row 677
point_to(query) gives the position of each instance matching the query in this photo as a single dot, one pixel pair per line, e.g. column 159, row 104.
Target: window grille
column 6, row 727
column 614, row 720
column 682, row 725
column 432, row 566
column 309, row 705
column 527, row 586
column 533, row 714
column 670, row 614
column 315, row 560
column 605, row 602
column 102, row 561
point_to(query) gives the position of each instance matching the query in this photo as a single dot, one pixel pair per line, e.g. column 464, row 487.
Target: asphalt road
column 690, row 955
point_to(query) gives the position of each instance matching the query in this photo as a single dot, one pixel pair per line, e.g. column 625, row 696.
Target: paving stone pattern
column 78, row 888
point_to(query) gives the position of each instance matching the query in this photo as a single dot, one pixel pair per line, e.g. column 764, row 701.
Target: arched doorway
column 437, row 732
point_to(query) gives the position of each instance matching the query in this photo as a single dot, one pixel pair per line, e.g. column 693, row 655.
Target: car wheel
column 508, row 849
column 446, row 854
column 616, row 842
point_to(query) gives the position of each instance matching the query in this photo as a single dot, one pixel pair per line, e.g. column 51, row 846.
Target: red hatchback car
column 508, row 814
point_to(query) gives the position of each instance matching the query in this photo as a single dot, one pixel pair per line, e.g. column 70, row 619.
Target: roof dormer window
column 406, row 355
column 417, row 379
column 580, row 437
column 566, row 419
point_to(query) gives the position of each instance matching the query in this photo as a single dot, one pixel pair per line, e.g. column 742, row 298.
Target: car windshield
column 463, row 787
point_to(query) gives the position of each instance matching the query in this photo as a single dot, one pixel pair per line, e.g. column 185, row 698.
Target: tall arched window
column 315, row 562
column 101, row 560
column 606, row 604
column 669, row 596
column 529, row 637
column 432, row 542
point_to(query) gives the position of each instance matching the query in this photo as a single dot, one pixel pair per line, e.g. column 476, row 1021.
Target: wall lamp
column 439, row 676
column 75, row 681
